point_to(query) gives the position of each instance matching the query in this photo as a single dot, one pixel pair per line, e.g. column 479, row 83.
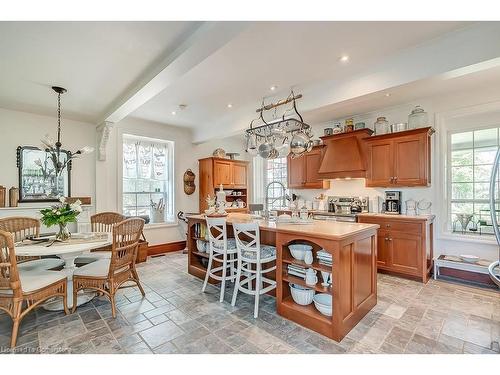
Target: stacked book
column 297, row 271
column 324, row 258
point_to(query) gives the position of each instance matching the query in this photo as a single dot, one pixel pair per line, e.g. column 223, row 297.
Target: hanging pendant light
column 54, row 148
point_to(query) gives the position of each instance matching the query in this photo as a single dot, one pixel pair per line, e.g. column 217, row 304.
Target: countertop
column 398, row 217
column 330, row 230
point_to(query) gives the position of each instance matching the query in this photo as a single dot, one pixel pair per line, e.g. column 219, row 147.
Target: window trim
column 265, row 182
column 171, row 172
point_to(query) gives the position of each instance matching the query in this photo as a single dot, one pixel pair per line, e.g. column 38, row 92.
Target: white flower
column 86, row 150
column 76, row 206
column 54, row 210
column 58, row 212
column 62, row 199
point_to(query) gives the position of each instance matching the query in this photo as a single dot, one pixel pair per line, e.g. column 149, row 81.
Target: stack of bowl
column 301, row 295
column 323, row 302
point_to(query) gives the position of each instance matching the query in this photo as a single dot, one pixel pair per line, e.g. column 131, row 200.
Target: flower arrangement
column 61, row 214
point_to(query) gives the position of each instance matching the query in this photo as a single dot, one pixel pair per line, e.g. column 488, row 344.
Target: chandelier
column 287, row 134
column 54, row 148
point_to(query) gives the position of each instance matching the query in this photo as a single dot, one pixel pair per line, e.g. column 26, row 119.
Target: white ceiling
column 95, row 61
column 286, row 54
column 146, row 69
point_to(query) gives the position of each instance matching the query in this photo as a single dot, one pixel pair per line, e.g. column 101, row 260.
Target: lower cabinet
column 404, row 247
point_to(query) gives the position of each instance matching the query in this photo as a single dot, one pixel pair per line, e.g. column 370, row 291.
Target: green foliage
column 62, row 213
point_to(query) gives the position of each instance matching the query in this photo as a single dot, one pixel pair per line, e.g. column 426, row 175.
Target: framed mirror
column 37, row 178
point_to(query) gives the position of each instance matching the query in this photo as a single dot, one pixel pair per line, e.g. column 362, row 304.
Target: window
column 275, row 170
column 148, row 178
column 471, row 157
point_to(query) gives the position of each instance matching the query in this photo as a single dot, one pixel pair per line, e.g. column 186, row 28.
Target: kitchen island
column 354, row 269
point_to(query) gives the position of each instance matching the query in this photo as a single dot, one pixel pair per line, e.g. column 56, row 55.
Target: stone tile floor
column 175, row 317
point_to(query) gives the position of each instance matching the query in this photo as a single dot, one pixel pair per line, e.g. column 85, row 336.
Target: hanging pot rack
column 290, row 124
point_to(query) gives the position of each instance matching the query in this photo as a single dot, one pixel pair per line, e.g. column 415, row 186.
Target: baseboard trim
column 166, row 247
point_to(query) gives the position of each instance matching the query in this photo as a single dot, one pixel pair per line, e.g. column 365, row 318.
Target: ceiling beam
column 199, row 45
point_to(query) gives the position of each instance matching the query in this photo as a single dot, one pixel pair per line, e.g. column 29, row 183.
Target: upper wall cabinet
column 344, row 155
column 303, row 171
column 399, row 159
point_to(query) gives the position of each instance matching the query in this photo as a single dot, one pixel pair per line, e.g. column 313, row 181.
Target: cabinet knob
column 387, row 225
column 390, row 239
column 387, row 239
column 395, row 179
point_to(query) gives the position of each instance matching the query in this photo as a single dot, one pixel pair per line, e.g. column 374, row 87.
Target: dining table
column 68, row 250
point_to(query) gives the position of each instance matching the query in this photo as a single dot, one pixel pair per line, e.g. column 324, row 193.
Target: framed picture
column 37, row 178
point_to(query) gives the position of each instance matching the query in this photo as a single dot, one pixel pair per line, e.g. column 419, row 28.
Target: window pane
column 482, row 173
column 462, row 191
column 465, row 208
column 128, row 185
column 129, row 199
column 462, row 174
column 461, row 157
column 460, row 141
column 481, row 190
column 486, row 137
column 485, row 155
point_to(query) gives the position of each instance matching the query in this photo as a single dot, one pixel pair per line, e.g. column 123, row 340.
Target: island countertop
column 329, row 230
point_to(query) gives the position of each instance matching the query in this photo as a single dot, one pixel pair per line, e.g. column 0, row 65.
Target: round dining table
column 68, row 251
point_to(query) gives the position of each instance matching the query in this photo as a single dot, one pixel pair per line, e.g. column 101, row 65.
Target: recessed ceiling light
column 174, row 113
column 388, row 94
column 229, row 105
column 273, row 87
column 344, row 58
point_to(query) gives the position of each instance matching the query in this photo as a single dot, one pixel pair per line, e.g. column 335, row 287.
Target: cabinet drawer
column 394, row 225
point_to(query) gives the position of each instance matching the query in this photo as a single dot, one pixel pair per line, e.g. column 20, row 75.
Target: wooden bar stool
column 252, row 256
column 223, row 251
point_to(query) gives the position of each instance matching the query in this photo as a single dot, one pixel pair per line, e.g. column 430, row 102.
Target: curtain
column 144, row 160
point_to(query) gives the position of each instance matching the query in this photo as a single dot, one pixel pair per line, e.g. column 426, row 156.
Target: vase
column 64, row 233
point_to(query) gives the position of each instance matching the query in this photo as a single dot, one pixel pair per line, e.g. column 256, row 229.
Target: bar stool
column 223, row 251
column 252, row 256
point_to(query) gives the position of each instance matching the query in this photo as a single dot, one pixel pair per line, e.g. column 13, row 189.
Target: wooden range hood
column 344, row 155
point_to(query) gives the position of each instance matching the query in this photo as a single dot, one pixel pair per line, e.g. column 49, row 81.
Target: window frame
column 170, row 216
column 447, row 225
column 266, row 181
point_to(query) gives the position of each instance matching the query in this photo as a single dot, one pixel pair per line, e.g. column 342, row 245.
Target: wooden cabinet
column 303, row 171
column 399, row 159
column 232, row 174
column 404, row 245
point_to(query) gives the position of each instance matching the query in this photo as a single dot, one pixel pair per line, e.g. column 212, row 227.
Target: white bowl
column 300, row 295
column 469, row 258
column 323, row 302
column 298, row 251
column 200, row 245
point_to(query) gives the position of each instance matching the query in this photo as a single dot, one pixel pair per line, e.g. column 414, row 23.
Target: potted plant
column 61, row 214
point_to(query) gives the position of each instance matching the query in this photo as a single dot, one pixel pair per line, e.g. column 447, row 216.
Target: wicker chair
column 21, row 228
column 103, row 223
column 107, row 275
column 17, row 287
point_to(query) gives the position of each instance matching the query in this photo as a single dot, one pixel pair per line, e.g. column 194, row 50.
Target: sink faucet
column 284, row 196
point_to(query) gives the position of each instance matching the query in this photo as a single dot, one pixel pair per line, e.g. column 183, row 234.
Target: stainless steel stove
column 343, row 208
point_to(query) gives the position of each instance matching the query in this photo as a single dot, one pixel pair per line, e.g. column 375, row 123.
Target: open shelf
column 200, row 254
column 297, row 280
column 200, row 239
column 308, row 310
column 315, row 265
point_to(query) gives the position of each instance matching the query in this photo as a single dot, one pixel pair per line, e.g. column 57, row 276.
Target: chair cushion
column 99, row 268
column 92, row 257
column 219, row 244
column 43, row 264
column 34, row 280
column 266, row 251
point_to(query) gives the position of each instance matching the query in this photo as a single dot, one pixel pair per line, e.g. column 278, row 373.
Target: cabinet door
column 312, row 161
column 406, row 253
column 296, row 172
column 380, row 164
column 410, row 161
column 239, row 175
column 383, row 249
column 223, row 173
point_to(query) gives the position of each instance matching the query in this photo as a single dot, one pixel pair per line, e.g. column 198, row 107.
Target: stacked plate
column 324, row 257
column 297, row 271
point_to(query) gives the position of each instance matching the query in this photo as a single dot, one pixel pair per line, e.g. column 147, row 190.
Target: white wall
column 438, row 108
column 26, row 129
column 186, row 155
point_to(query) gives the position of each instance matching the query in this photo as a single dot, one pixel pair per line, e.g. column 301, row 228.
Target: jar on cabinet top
column 418, row 118
column 337, row 128
column 381, row 126
column 349, row 125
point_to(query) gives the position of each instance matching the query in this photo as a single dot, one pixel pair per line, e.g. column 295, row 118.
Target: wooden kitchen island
column 354, row 270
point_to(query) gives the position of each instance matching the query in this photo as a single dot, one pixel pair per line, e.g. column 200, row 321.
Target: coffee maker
column 393, row 202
